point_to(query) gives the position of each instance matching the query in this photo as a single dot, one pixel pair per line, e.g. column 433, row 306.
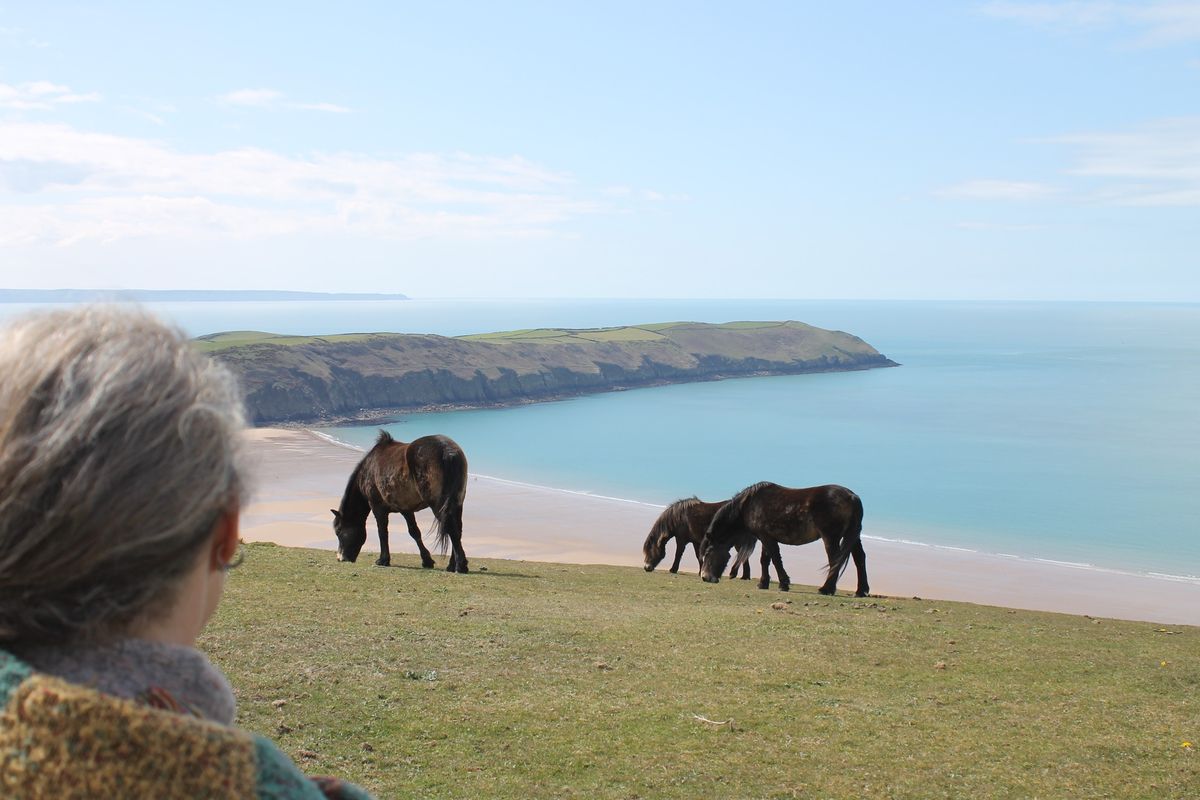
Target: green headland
column 361, row 375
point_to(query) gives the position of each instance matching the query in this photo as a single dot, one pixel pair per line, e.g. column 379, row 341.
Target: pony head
column 350, row 537
column 726, row 531
column 672, row 521
column 656, row 545
column 713, row 559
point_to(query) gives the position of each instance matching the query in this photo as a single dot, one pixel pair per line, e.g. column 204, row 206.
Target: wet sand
column 299, row 477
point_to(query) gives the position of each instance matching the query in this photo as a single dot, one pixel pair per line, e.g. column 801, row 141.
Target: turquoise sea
column 1059, row 431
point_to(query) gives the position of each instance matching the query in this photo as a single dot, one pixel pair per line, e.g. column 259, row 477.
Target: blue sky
column 940, row 150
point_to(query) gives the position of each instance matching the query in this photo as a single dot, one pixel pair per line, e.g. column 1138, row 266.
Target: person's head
column 119, row 471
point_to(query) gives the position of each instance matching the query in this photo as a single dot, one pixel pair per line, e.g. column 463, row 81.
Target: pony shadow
column 484, row 572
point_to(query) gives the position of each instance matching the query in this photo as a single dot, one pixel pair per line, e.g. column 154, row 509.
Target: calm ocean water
column 1060, row 431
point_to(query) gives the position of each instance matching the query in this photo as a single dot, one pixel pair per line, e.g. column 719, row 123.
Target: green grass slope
column 532, row 680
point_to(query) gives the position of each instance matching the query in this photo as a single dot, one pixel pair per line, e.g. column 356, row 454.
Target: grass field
column 216, row 342
column 530, row 680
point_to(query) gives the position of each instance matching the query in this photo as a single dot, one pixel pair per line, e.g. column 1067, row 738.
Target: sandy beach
column 299, row 476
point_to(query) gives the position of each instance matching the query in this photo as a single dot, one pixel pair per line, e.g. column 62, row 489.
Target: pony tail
column 454, row 472
column 850, row 539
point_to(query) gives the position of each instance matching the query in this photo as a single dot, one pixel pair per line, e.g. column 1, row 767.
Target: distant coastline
column 179, row 296
column 373, row 376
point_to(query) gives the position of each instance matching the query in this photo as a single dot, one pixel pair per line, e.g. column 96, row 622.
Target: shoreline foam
column 300, row 476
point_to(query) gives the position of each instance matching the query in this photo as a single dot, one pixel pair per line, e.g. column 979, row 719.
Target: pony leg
column 680, row 546
column 415, row 533
column 831, row 552
column 764, row 561
column 741, row 561
column 381, row 523
column 459, row 558
column 785, row 583
column 452, row 525
column 860, row 565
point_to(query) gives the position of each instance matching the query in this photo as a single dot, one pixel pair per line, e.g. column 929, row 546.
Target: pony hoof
column 862, row 594
column 764, row 585
column 463, row 569
column 783, row 587
column 430, row 564
column 383, row 562
column 823, row 590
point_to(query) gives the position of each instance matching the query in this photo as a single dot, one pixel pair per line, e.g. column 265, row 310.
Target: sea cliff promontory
column 366, row 375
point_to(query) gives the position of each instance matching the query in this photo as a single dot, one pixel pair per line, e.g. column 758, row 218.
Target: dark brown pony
column 686, row 521
column 779, row 515
column 430, row 472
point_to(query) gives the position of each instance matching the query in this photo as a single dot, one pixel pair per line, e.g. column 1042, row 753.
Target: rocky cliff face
column 298, row 379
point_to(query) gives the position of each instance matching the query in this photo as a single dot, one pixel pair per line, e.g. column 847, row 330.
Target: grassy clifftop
column 312, row 377
column 533, row 680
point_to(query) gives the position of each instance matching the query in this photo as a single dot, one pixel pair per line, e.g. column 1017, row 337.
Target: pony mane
column 673, row 516
column 353, row 500
column 682, row 504
column 734, row 509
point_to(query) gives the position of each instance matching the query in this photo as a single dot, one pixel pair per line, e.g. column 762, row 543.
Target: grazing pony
column 686, row 521
column 430, row 472
column 779, row 515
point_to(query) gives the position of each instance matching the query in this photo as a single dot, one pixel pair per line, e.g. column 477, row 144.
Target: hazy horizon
column 404, row 296
column 1011, row 151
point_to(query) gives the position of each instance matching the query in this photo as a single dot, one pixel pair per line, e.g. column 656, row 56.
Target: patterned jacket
column 61, row 741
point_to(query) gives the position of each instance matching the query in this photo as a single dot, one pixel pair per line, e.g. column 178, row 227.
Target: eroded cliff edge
column 360, row 376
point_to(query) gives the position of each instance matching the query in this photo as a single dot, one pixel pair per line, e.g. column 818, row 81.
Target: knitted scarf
column 137, row 669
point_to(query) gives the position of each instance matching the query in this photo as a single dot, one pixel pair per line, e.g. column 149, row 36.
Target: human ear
column 225, row 539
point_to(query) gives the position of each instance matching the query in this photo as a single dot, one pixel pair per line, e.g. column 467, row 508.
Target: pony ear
column 336, row 515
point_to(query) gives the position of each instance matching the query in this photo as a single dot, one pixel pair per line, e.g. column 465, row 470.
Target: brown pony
column 430, row 472
column 779, row 515
column 686, row 521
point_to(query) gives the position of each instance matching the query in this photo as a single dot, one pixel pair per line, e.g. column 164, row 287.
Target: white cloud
column 1157, row 164
column 41, row 96
column 75, row 186
column 1167, row 150
column 149, row 116
column 1152, row 23
column 999, row 190
column 20, row 38
column 272, row 99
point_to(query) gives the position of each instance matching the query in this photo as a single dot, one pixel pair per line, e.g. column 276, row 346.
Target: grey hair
column 119, row 451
